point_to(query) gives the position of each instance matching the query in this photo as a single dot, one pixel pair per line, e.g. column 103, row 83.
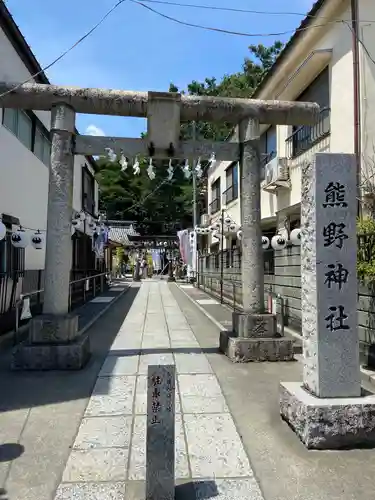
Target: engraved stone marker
column 329, row 277
column 160, row 447
column 329, row 411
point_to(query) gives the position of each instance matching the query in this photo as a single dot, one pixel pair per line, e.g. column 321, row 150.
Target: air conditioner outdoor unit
column 277, row 175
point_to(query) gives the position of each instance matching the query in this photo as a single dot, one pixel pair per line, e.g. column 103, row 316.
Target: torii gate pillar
column 54, row 341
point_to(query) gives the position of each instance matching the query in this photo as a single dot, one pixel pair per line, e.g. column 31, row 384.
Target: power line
column 234, row 9
column 198, row 26
column 360, row 41
column 141, row 202
column 109, row 12
column 225, row 9
column 230, row 32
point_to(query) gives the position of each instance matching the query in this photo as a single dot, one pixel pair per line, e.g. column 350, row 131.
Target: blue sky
column 134, row 49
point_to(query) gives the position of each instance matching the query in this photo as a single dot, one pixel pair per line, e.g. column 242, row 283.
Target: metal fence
column 366, row 247
column 230, row 259
column 219, row 274
column 16, row 286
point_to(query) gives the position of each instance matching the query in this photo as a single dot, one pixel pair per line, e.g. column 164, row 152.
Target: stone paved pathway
column 107, row 460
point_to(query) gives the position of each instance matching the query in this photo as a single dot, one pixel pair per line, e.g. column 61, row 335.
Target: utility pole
column 195, row 221
column 194, row 138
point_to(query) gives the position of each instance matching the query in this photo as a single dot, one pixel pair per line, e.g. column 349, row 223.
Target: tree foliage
column 125, row 196
column 241, row 84
column 366, row 249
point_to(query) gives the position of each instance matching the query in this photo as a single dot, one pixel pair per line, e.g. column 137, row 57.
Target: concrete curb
column 366, row 375
column 7, row 340
column 202, row 310
column 103, row 311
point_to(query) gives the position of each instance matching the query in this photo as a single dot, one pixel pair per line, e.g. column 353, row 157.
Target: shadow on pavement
column 10, row 451
column 197, row 489
column 31, row 389
column 164, row 350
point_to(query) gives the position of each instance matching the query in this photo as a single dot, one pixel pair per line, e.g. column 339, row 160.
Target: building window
column 215, row 204
column 304, row 137
column 231, row 192
column 42, row 147
column 20, row 124
column 268, row 149
column 88, row 191
column 24, row 129
column 30, row 131
column 10, row 119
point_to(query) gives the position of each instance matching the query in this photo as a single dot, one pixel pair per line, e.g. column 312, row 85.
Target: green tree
column 126, row 196
column 241, row 84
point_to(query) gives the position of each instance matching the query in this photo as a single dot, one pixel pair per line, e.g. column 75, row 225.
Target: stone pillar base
column 328, row 423
column 72, row 356
column 254, row 325
column 51, row 329
column 244, row 350
column 53, row 343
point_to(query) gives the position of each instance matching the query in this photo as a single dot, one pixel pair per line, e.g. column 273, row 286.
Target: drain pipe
column 357, row 98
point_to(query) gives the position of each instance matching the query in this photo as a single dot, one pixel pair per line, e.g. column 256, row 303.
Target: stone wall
column 286, row 281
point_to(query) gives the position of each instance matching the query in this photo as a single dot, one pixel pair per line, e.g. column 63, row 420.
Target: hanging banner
column 193, row 252
column 183, row 237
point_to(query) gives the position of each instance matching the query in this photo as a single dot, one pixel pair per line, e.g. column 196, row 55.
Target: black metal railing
column 366, row 247
column 231, row 260
column 230, row 194
column 214, row 206
column 306, row 136
column 30, row 283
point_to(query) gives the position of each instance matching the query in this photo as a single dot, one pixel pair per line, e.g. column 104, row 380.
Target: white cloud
column 94, row 130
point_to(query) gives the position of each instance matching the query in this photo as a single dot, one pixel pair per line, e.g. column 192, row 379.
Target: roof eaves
column 23, row 49
column 290, row 44
column 19, row 43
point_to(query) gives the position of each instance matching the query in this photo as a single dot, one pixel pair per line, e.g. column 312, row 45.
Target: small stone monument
column 329, row 410
column 160, row 447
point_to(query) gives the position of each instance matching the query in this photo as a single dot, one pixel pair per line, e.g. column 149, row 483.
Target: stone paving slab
column 102, row 464
column 112, row 396
column 108, row 458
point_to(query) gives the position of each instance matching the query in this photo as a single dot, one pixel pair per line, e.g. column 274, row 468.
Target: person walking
column 144, row 267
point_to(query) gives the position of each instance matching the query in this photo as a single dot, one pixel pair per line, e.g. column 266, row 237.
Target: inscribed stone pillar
column 254, row 334
column 329, row 278
column 59, row 218
column 160, row 438
column 252, row 252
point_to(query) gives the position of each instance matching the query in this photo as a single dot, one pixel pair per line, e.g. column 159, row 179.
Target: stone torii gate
column 54, row 341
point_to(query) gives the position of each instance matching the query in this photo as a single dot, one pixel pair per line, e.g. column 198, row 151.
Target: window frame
column 36, row 126
column 308, row 135
column 231, row 188
column 86, row 174
column 215, row 204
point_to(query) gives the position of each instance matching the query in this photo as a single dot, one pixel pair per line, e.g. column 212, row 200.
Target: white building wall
column 24, row 178
column 232, row 209
column 367, row 87
column 337, row 37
